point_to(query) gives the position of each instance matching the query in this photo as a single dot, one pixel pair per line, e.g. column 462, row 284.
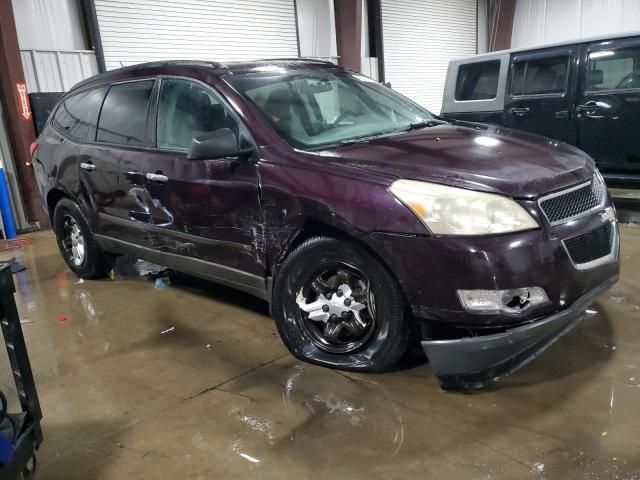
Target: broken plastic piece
column 62, row 318
column 162, row 282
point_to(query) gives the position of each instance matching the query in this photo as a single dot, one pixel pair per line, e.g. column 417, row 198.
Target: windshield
column 315, row 108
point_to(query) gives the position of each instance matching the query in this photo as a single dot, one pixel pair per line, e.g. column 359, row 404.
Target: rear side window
column 76, row 115
column 540, row 77
column 478, row 81
column 613, row 70
column 123, row 118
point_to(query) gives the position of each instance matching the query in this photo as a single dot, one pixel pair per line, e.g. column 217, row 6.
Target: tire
column 375, row 348
column 94, row 263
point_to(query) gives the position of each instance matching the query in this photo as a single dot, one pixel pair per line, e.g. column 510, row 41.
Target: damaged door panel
column 209, row 208
column 114, row 160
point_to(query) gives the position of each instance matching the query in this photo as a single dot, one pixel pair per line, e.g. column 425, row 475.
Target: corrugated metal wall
column 135, row 31
column 57, row 70
column 419, row 39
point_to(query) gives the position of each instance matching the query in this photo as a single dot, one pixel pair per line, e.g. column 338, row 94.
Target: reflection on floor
column 192, row 381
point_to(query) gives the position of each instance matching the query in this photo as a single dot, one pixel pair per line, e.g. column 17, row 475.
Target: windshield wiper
column 419, row 125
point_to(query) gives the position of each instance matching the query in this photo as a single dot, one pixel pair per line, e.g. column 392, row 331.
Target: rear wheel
column 77, row 243
column 337, row 305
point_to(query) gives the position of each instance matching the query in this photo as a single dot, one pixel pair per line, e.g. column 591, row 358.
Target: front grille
column 592, row 245
column 573, row 202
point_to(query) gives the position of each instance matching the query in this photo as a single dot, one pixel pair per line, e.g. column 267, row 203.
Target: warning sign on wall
column 25, row 108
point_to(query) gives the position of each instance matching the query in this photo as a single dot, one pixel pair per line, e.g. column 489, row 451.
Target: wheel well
column 315, row 229
column 53, row 197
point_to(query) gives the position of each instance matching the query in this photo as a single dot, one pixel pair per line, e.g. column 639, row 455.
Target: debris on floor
column 162, row 282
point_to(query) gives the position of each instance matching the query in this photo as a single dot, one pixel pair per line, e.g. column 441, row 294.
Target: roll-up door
column 135, row 31
column 419, row 39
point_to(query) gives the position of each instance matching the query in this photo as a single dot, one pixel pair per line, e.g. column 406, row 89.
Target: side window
column 187, row 110
column 477, row 81
column 76, row 115
column 613, row 70
column 123, row 118
column 540, row 77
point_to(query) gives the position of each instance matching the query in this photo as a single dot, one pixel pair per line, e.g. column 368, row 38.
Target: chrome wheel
column 73, row 241
column 337, row 308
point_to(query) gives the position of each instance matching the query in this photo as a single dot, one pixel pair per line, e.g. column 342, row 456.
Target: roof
column 158, row 67
column 578, row 41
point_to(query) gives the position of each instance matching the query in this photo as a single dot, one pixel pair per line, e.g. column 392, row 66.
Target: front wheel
column 76, row 242
column 337, row 305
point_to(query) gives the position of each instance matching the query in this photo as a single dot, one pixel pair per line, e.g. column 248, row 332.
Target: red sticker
column 25, row 108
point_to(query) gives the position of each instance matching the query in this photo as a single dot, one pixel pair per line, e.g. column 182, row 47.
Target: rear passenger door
column 608, row 105
column 539, row 96
column 114, row 162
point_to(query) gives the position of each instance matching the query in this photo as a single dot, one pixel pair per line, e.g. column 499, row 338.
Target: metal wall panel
column 419, row 39
column 57, row 70
column 135, row 31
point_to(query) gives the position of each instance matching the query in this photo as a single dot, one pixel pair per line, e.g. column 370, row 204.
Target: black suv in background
column 586, row 93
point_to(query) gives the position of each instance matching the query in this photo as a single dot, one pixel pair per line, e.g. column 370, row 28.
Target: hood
column 492, row 159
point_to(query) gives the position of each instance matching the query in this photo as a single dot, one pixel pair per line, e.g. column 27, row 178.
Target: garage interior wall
column 419, row 39
column 538, row 22
column 136, row 31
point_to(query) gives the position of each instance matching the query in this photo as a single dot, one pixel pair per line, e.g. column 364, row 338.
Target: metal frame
column 31, row 437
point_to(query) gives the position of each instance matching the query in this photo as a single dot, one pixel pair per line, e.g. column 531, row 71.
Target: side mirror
column 217, row 144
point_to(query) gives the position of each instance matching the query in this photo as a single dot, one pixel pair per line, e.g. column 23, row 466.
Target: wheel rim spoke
column 334, row 309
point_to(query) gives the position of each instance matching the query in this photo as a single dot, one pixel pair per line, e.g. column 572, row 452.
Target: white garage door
column 419, row 39
column 135, row 31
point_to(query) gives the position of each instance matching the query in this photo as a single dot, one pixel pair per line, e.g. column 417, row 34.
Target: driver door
column 205, row 209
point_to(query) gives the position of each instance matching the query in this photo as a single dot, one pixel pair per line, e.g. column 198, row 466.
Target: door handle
column 88, row 166
column 588, row 107
column 562, row 114
column 157, row 177
column 519, row 111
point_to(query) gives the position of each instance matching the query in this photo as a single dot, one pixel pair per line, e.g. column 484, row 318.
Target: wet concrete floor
column 192, row 381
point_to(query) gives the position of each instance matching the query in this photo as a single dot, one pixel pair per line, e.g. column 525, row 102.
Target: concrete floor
column 193, row 382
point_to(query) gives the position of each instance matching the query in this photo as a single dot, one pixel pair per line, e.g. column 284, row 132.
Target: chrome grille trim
column 598, row 188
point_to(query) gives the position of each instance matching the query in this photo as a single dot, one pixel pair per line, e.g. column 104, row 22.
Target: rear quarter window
column 477, row 81
column 76, row 116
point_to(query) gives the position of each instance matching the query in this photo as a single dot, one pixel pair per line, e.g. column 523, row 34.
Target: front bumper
column 474, row 362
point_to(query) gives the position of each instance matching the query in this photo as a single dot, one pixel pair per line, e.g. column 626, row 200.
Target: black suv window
column 123, row 118
column 76, row 115
column 613, row 70
column 478, row 81
column 187, row 110
column 540, row 77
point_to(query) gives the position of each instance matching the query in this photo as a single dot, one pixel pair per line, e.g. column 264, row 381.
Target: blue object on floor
column 5, row 208
column 6, row 450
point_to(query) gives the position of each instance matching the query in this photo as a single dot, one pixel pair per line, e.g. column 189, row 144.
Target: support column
column 19, row 125
column 348, row 32
column 500, row 16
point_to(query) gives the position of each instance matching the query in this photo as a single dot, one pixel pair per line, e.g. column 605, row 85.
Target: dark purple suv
column 365, row 221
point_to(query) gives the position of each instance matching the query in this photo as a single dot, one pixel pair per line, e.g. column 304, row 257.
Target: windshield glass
column 315, row 108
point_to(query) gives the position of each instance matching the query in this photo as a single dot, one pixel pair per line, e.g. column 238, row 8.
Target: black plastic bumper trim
column 475, row 362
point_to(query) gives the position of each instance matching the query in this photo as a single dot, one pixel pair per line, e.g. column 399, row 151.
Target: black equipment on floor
column 20, row 433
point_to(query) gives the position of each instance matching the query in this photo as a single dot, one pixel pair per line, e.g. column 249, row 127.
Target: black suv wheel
column 338, row 306
column 77, row 243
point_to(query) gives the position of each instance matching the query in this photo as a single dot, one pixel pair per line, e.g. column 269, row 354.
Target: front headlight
column 457, row 211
